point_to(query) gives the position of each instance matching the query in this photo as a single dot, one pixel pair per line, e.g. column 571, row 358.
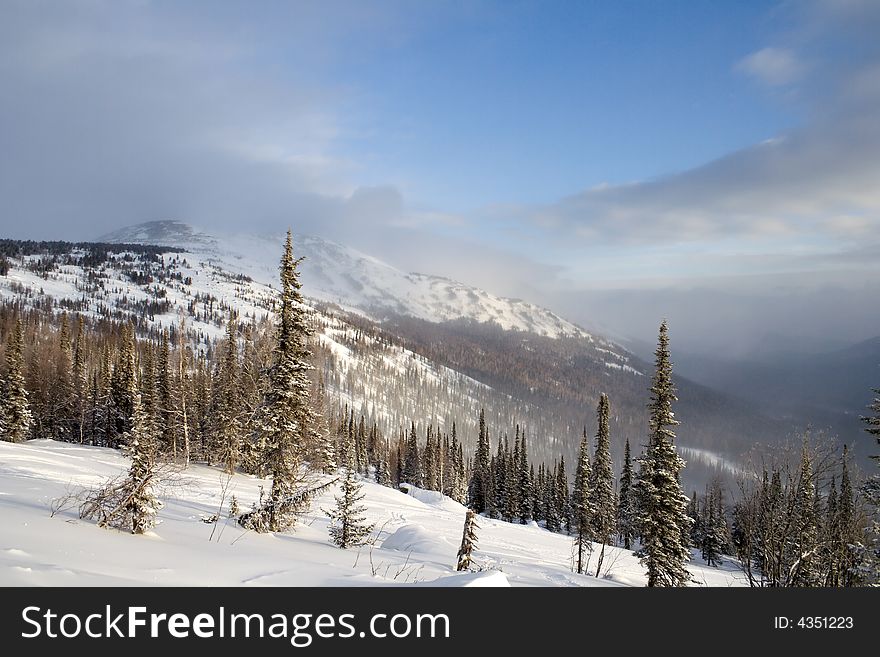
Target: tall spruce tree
column 602, row 511
column 562, row 496
column 165, row 396
column 15, row 409
column 228, row 429
column 626, row 504
column 80, row 382
column 662, row 519
column 63, row 421
column 526, row 484
column 123, row 386
column 286, row 414
column 582, row 507
column 479, row 485
column 804, row 540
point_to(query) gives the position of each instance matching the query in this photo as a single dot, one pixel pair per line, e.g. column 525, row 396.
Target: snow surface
column 417, row 536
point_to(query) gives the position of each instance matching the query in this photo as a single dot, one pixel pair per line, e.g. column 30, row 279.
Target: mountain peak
column 160, row 233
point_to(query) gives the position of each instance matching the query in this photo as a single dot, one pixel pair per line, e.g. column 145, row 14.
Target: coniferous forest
column 256, row 401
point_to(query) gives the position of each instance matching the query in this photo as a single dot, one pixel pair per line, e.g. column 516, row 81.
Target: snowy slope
column 356, row 281
column 383, row 380
column 417, row 537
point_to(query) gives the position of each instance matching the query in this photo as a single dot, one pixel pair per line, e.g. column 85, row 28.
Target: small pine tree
column 348, row 524
column 142, row 505
column 468, row 541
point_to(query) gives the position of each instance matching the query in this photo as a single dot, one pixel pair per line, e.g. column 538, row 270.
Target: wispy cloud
column 815, row 182
column 773, row 66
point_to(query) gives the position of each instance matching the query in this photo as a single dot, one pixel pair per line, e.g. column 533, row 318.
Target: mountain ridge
column 357, row 281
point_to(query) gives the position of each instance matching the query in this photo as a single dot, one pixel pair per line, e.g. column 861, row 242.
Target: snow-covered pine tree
column 870, row 571
column 694, row 513
column 123, row 386
column 498, row 507
column 468, row 541
column 16, row 412
column 713, row 539
column 286, row 413
column 562, row 496
column 412, row 466
column 183, row 382
column 348, row 525
column 374, row 447
column 851, row 531
column 130, row 504
column 626, row 530
column 62, row 421
column 165, row 407
column 102, row 402
column 226, row 391
column 831, row 550
column 479, row 484
column 430, row 461
column 324, row 449
column 662, row 519
column 602, row 519
column 552, row 501
column 805, row 538
column 524, row 474
column 362, row 463
column 80, row 382
column 143, row 504
column 534, row 500
column 461, row 477
column 398, row 464
column 383, row 468
column 540, row 498
column 147, row 388
column 581, row 507
column 512, row 480
column 491, row 498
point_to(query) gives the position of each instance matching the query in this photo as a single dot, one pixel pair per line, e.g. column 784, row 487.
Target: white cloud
column 773, row 66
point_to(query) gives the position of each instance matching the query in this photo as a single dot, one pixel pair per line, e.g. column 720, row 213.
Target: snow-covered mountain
column 393, row 352
column 353, row 280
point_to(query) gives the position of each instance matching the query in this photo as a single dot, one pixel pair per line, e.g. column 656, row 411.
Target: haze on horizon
column 717, row 164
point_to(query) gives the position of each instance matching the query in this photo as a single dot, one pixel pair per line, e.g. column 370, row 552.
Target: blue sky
column 563, row 152
column 527, row 102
